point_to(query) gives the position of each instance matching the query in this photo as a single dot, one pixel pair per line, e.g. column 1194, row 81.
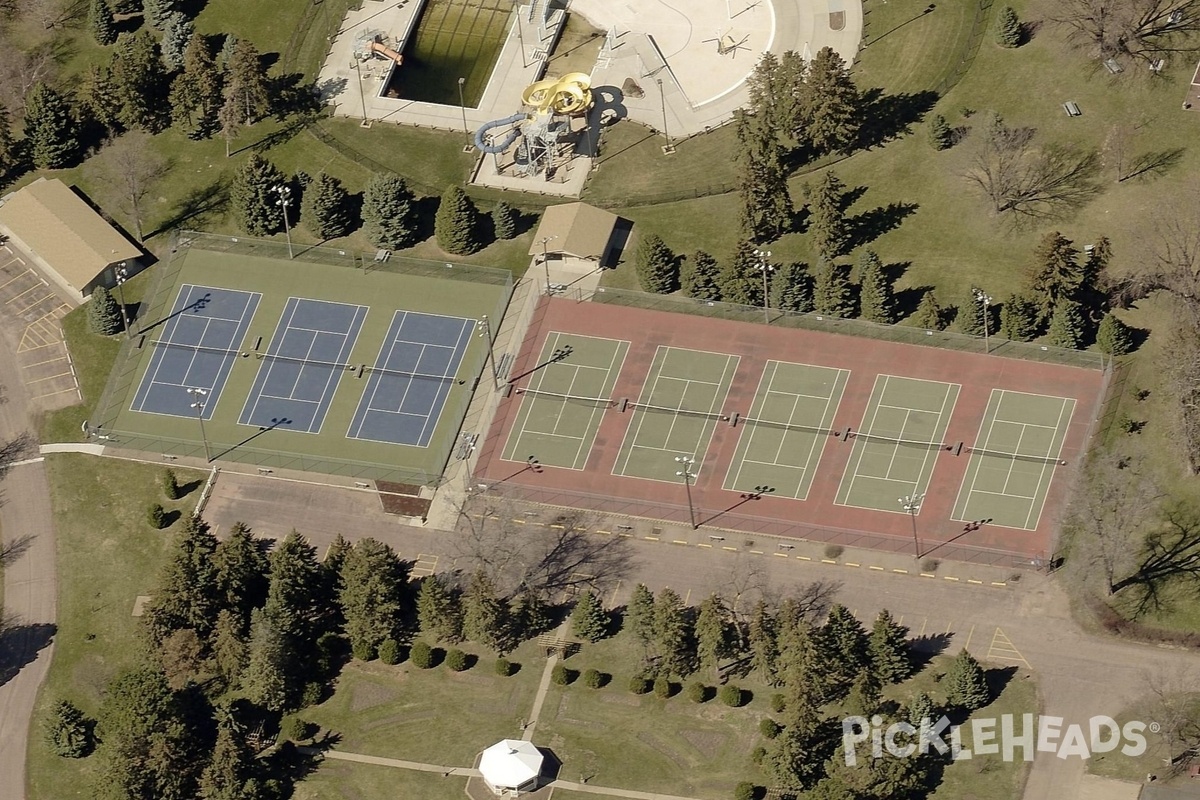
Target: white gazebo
column 511, row 766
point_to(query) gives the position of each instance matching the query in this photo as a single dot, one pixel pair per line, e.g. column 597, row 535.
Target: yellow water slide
column 570, row 94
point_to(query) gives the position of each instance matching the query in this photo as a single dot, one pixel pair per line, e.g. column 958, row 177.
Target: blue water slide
column 501, row 146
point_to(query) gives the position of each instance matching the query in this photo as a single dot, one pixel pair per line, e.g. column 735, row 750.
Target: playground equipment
column 374, row 44
column 542, row 130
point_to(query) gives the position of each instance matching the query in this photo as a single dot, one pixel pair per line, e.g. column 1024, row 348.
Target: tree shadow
column 276, row 138
column 13, row 549
column 20, row 643
column 425, row 213
column 923, row 649
column 870, row 225
column 851, row 197
column 197, row 207
column 997, row 678
column 291, row 94
column 1154, row 164
column 888, row 116
column 171, row 517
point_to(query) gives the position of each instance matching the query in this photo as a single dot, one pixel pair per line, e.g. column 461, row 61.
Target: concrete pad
column 139, row 604
column 1093, row 787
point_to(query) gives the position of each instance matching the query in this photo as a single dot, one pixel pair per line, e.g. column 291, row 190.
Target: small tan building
column 577, row 231
column 68, row 241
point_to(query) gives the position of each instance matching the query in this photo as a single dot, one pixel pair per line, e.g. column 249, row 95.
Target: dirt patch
column 708, row 743
column 663, row 748
column 392, row 487
column 369, row 695
column 404, row 505
column 622, row 699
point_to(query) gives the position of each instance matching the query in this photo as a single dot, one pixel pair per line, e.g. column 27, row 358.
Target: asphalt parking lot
column 32, row 313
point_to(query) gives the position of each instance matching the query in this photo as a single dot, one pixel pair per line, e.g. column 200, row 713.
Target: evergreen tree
column 49, row 128
column 1018, row 318
column 828, row 107
column 229, row 118
column 766, row 209
column 1008, row 28
column 1054, row 274
column 294, row 594
column 101, row 23
column 504, row 220
column 792, row 288
column 714, row 634
column 671, row 635
column 103, row 313
column 139, row 82
column 794, row 760
column 741, row 276
column 843, row 639
column 1114, row 337
column 252, row 193
column 589, row 620
column 966, row 685
column 888, row 649
column 483, row 620
column 246, row 82
column 699, row 275
column 189, row 593
column 941, row 136
column 877, row 302
column 68, row 731
column 863, row 699
column 1067, row 325
column 764, row 649
column 10, row 150
column 657, row 266
column 325, row 208
column 230, row 768
column 929, row 313
column 331, row 567
column 178, row 31
column 267, row 678
column 195, row 97
column 438, row 612
column 919, row 709
column 155, row 12
column 832, row 294
column 530, row 616
column 389, row 212
column 372, row 596
column 228, row 45
column 456, row 223
column 229, row 647
column 970, row 316
column 639, row 615
column 803, row 661
column 241, row 573
column 771, row 96
column 827, row 222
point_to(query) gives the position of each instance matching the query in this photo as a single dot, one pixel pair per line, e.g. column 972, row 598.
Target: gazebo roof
column 510, row 763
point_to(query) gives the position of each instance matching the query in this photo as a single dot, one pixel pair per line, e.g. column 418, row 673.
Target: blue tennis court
column 411, row 378
column 301, row 368
column 196, row 349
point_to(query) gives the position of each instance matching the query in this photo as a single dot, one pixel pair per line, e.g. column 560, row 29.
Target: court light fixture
column 766, row 268
column 912, row 506
column 285, row 201
column 484, row 327
column 688, row 476
column 985, row 304
column 200, row 396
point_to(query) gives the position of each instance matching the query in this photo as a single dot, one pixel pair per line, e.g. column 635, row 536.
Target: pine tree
column 1054, row 273
column 714, row 639
column 231, row 766
column 225, row 55
column 764, row 649
column 266, row 679
column 104, row 315
column 456, row 223
column 195, row 96
column 766, row 208
column 657, row 266
column 741, row 276
column 438, row 612
column 828, row 107
column 389, row 212
column 255, row 205
column 941, row 136
column 929, row 313
column 101, row 23
column 966, row 685
column 10, row 149
column 919, row 709
column 1008, row 28
column 589, row 621
column 843, row 639
column 98, row 98
column 139, row 82
column 504, row 220
column 229, row 647
column 372, row 596
column 295, row 602
column 771, row 96
column 189, row 593
column 68, row 731
column 1018, row 318
column 482, row 617
column 639, row 615
column 241, row 573
column 877, row 302
column 796, row 754
column 803, row 662
column 246, row 82
column 155, row 12
column 830, row 235
column 178, row 30
column 530, row 616
column 49, row 128
column 1067, row 325
column 888, row 649
column 1114, row 337
column 671, row 635
column 863, row 698
column 832, row 294
column 325, row 209
column 331, row 567
column 792, row 288
column 970, row 316
column 698, row 277
column 229, row 118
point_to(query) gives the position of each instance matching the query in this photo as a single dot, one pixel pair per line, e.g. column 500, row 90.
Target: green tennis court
column 897, row 446
column 676, row 414
column 1014, row 458
column 787, row 428
column 558, row 428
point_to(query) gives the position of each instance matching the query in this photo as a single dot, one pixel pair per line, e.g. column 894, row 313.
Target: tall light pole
column 122, row 275
column 285, row 201
column 667, row 148
column 685, row 462
column 362, row 93
column 462, row 105
column 985, row 304
column 200, row 395
column 546, row 260
column 485, row 330
column 912, row 506
column 766, row 268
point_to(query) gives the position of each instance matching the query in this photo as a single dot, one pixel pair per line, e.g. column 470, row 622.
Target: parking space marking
column 1002, row 648
column 425, row 565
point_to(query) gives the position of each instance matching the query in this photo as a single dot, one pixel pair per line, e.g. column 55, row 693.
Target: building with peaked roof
column 68, row 241
column 511, row 766
column 575, row 230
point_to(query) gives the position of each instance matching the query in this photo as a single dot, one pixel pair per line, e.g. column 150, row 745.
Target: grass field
column 341, row 780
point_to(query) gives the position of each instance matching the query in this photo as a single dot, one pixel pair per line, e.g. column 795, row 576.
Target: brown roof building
column 575, row 230
column 71, row 244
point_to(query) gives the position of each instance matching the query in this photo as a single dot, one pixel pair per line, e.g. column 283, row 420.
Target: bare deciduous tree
column 20, row 69
column 130, row 167
column 1175, row 706
column 1144, row 30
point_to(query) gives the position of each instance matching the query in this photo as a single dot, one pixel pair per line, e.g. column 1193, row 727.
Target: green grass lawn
column 342, row 780
column 1136, row 768
column 107, row 556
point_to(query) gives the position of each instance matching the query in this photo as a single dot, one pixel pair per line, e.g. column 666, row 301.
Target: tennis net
column 916, row 444
column 785, row 426
column 367, row 369
column 578, row 399
column 1016, row 456
column 682, row 412
column 199, row 348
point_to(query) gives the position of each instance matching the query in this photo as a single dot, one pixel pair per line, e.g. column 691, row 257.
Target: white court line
column 460, row 349
column 1046, row 465
column 591, row 432
column 634, row 431
column 773, row 368
column 854, row 476
column 942, row 414
column 354, row 433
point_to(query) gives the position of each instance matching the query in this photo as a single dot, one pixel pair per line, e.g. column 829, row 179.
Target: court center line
column 605, row 389
column 444, row 386
column 1046, row 465
column 772, row 368
column 855, row 473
